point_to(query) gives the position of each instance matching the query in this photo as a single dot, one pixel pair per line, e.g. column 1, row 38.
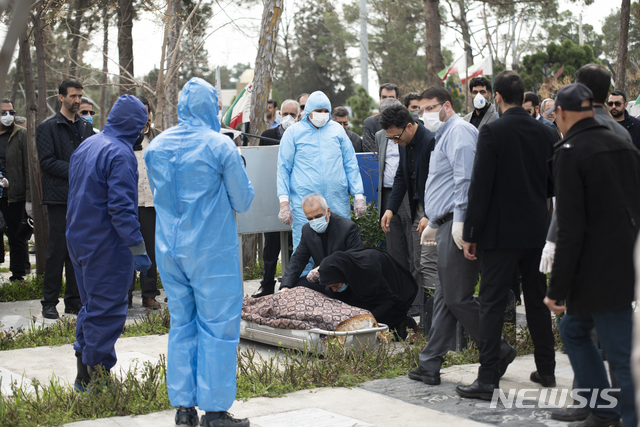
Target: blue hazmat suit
column 102, row 223
column 317, row 160
column 198, row 180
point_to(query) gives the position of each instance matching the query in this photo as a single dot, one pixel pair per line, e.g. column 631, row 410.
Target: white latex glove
column 360, row 206
column 546, row 261
column 456, row 232
column 285, row 215
column 4, row 183
column 428, row 237
column 314, row 275
column 29, row 208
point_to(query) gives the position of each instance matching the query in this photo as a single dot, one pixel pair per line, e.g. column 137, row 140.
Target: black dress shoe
column 421, row 374
column 50, row 312
column 506, row 360
column 72, row 309
column 477, row 390
column 262, row 291
column 16, row 279
column 570, row 414
column 593, row 420
column 545, row 380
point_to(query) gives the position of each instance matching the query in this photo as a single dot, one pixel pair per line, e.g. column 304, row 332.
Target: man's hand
column 314, row 275
column 428, row 236
column 470, row 251
column 28, row 207
column 546, row 260
column 285, row 214
column 386, row 220
column 554, row 306
column 4, row 183
column 422, row 225
column 360, row 206
column 456, row 232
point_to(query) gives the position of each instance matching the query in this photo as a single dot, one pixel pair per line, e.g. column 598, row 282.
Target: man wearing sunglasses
column 16, row 194
column 87, row 113
column 616, row 103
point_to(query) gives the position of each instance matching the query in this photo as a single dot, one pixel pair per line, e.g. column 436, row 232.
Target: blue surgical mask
column 343, row 288
column 319, row 225
column 88, row 118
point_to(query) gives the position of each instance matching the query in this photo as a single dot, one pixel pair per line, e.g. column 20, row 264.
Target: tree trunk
column 125, row 47
column 105, row 65
column 38, row 27
column 16, row 81
column 40, row 220
column 466, row 33
column 433, row 51
column 621, row 68
column 75, row 39
column 171, row 79
column 265, row 64
column 287, row 51
column 160, row 87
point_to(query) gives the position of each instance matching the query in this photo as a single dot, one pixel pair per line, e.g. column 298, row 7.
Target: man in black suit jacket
column 324, row 234
column 507, row 218
column 371, row 124
column 290, row 110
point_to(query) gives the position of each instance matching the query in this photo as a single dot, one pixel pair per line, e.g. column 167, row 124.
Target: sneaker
column 186, row 416
column 225, row 420
column 421, row 374
column 151, row 303
column 50, row 312
column 595, row 421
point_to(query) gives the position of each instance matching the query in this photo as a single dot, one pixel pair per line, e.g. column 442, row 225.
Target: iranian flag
column 240, row 110
column 459, row 66
column 484, row 68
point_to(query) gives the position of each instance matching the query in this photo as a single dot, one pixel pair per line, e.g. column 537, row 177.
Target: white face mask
column 287, row 121
column 479, row 102
column 432, row 121
column 7, row 119
column 319, row 119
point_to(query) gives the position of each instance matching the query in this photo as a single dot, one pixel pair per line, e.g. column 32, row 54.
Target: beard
column 617, row 113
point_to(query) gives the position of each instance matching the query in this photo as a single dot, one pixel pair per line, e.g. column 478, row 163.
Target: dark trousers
column 18, row 247
column 149, row 281
column 270, row 255
column 499, row 267
column 614, row 333
column 57, row 258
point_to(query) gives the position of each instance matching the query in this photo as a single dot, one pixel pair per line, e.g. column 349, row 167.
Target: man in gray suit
column 484, row 112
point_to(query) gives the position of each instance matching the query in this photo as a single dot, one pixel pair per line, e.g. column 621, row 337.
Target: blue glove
column 142, row 263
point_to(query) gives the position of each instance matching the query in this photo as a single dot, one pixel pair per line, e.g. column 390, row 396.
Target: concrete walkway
column 392, row 402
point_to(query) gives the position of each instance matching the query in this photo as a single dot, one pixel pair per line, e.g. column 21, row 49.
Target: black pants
column 57, row 258
column 316, row 286
column 148, row 282
column 18, row 247
column 270, row 258
column 499, row 267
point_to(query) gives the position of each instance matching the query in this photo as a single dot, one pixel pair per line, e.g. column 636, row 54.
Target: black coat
column 597, row 182
column 425, row 141
column 342, row 235
column 371, row 126
column 275, row 133
column 632, row 124
column 376, row 282
column 510, row 183
column 56, row 141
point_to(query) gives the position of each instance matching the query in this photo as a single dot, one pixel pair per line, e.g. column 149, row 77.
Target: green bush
column 369, row 227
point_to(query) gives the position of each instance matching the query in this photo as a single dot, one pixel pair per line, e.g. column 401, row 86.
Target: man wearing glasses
column 87, row 113
column 341, row 116
column 617, row 102
column 16, row 192
column 445, row 200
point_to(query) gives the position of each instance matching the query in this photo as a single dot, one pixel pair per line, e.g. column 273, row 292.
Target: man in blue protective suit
column 198, row 181
column 103, row 233
column 316, row 156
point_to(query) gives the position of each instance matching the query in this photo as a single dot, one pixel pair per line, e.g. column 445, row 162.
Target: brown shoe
column 151, row 303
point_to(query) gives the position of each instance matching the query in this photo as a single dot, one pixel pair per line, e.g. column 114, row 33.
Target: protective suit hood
column 198, row 104
column 126, row 119
column 316, row 100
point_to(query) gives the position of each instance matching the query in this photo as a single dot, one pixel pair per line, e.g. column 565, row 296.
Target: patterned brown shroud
column 304, row 308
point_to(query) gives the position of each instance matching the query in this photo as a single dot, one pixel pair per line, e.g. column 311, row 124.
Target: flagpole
column 466, row 86
column 491, row 56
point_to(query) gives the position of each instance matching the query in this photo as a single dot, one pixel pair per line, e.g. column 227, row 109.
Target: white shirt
column 145, row 196
column 391, row 162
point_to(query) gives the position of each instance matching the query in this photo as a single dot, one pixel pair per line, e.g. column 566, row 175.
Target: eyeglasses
column 431, row 107
column 9, row 112
column 85, row 112
column 397, row 137
column 294, row 115
column 345, row 124
column 617, row 104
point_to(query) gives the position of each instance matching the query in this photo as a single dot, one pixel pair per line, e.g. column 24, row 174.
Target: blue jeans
column 614, row 333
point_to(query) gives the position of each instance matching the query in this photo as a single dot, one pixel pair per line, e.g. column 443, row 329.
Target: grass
column 255, row 271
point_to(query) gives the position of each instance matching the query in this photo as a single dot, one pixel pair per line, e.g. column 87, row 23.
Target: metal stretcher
column 314, row 340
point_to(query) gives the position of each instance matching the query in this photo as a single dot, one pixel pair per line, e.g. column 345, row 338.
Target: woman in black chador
column 373, row 280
